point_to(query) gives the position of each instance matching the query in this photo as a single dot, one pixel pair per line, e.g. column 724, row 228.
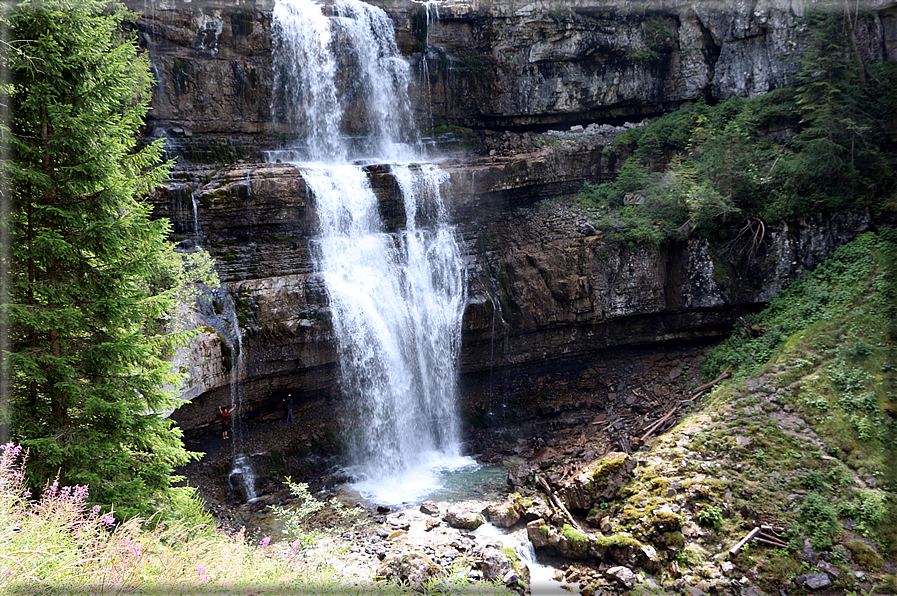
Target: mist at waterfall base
column 396, row 299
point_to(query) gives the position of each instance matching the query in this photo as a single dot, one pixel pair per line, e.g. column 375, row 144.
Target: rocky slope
column 665, row 518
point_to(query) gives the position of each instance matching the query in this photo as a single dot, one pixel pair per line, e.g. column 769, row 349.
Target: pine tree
column 95, row 283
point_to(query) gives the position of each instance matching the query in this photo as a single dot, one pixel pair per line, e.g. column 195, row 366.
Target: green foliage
column 814, row 147
column 819, row 520
column 690, row 556
column 578, row 542
column 299, row 521
column 710, row 517
column 96, row 286
column 823, row 295
column 870, row 508
column 57, row 544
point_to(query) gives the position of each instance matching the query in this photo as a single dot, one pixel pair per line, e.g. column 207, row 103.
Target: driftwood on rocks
column 556, row 501
column 766, row 535
column 737, row 548
column 702, row 388
column 656, row 425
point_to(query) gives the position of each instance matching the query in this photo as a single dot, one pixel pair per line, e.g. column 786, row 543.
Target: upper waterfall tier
column 328, row 67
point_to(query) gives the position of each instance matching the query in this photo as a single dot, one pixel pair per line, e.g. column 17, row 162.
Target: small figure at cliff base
column 289, row 400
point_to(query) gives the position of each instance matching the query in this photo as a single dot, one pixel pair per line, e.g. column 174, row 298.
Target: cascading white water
column 302, row 38
column 396, row 300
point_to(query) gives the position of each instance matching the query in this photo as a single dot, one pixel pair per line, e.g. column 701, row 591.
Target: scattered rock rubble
column 508, row 143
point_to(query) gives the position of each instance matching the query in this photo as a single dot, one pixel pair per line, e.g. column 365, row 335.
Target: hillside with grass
column 801, row 441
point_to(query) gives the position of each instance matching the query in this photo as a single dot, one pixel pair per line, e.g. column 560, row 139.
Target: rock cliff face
column 496, row 64
column 544, row 287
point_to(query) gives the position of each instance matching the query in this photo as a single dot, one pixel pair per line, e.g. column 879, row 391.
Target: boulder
column 463, row 519
column 598, row 481
column 622, row 575
column 814, row 581
column 429, row 507
column 503, row 515
column 495, row 564
column 413, row 569
column 519, row 474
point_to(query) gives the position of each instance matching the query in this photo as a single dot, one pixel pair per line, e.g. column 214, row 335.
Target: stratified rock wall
column 497, row 64
column 544, row 285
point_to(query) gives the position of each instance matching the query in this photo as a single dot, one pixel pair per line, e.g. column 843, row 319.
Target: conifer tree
column 95, row 282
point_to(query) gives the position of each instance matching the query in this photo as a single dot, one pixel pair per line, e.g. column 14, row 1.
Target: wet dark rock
column 828, row 568
column 429, row 507
column 520, row 474
column 814, row 581
column 808, row 553
column 622, row 575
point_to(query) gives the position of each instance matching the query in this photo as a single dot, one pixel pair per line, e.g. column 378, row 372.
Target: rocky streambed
column 663, row 516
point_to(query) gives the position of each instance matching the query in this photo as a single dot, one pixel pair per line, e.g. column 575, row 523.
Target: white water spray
column 396, row 300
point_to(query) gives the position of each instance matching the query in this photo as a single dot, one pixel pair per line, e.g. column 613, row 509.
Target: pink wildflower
column 265, row 542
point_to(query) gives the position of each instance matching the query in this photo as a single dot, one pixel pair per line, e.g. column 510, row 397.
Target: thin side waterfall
column 218, row 311
column 220, row 314
column 196, row 228
column 242, row 476
column 396, row 300
column 431, row 15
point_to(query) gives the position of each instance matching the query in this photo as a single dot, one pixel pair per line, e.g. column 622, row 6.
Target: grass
column 58, row 544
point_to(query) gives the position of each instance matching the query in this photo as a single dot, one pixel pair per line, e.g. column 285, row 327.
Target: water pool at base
column 440, row 479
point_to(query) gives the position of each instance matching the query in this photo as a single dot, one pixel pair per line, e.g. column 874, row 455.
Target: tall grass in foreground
column 58, row 544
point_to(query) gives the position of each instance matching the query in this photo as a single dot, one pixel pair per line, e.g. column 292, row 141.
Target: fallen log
column 700, row 389
column 774, row 543
column 657, row 424
column 737, row 548
column 553, row 498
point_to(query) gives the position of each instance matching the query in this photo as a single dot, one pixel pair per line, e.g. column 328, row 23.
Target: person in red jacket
column 225, row 420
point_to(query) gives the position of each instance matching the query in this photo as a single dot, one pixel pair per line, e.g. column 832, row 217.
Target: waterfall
column 396, row 299
column 196, row 227
column 219, row 312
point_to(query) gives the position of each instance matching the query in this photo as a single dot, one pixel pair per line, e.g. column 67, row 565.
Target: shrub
column 711, row 517
column 819, row 520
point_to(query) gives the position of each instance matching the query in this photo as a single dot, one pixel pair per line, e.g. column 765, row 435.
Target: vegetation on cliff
column 816, row 146
column 802, row 440
column 95, row 285
column 804, row 437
